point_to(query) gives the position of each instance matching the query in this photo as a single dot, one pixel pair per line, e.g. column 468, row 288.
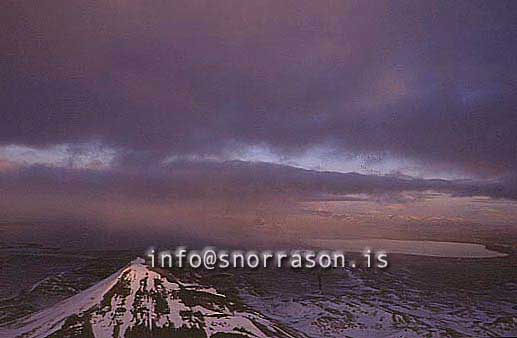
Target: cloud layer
column 235, row 180
column 429, row 82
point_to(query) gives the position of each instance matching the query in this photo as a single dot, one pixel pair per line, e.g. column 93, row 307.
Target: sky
column 141, row 103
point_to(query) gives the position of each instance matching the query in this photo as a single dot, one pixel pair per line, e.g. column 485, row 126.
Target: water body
column 421, row 248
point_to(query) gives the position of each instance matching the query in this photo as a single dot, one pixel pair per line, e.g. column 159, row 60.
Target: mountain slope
column 141, row 302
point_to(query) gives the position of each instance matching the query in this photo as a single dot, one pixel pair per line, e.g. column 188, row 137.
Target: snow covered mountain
column 138, row 301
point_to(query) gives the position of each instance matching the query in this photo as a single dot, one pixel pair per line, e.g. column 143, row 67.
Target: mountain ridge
column 138, row 301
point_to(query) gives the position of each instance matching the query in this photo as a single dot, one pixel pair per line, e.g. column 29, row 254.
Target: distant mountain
column 138, row 301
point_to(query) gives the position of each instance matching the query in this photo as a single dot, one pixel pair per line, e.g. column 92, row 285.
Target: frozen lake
column 422, row 248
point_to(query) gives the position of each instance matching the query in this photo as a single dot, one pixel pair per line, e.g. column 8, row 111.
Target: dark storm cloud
column 426, row 81
column 185, row 180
